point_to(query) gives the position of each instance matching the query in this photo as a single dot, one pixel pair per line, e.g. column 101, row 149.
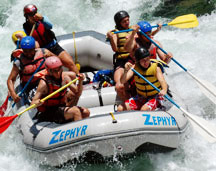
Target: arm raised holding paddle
column 136, row 40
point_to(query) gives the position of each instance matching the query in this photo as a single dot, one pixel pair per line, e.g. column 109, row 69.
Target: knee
column 86, row 113
column 119, row 87
column 120, row 108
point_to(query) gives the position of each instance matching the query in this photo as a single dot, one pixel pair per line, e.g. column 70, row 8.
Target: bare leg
column 76, row 113
column 120, row 88
column 68, row 62
column 145, row 108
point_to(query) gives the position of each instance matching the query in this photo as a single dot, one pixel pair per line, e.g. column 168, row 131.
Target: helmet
column 141, row 53
column 29, row 9
column 119, row 16
column 28, row 42
column 53, row 62
column 17, row 35
column 144, row 26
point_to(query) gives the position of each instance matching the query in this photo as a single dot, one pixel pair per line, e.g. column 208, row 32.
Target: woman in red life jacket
column 45, row 36
column 56, row 108
column 136, row 40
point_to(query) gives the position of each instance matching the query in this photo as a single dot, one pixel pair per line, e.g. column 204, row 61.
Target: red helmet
column 30, row 9
column 53, row 62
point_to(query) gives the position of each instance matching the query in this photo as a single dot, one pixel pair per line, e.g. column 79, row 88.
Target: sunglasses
column 31, row 14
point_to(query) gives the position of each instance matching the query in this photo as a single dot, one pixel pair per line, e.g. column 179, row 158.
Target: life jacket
column 42, row 35
column 142, row 87
column 57, row 99
column 150, row 46
column 28, row 66
column 122, row 53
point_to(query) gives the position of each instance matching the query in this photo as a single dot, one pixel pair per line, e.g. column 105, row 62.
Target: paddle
column 3, row 108
column 5, row 122
column 206, row 85
column 201, row 125
column 184, row 21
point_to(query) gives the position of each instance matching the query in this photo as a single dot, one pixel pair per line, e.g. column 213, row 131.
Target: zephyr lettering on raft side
column 158, row 120
column 62, row 135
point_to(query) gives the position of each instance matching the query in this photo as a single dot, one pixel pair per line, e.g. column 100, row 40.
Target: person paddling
column 45, row 36
column 137, row 39
column 147, row 98
column 59, row 108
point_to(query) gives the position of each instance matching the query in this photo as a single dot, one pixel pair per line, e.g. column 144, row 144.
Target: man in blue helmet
column 137, row 39
column 26, row 64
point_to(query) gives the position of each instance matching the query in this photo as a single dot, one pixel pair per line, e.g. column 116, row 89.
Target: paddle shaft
column 168, row 98
column 193, row 76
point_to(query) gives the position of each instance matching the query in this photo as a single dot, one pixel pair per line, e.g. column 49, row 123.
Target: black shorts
column 120, row 63
column 53, row 114
column 56, row 49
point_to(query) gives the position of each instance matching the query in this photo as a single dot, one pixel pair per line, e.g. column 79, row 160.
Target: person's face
column 144, row 38
column 29, row 53
column 56, row 72
column 30, row 17
column 125, row 22
column 145, row 62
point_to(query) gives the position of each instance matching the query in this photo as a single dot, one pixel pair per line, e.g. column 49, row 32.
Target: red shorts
column 138, row 101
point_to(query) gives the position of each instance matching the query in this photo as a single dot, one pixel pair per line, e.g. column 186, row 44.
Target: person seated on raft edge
column 25, row 65
column 61, row 107
column 17, row 37
column 121, row 56
column 147, row 97
column 45, row 36
column 136, row 39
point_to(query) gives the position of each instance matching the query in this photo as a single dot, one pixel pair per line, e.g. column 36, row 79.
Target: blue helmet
column 144, row 26
column 28, row 42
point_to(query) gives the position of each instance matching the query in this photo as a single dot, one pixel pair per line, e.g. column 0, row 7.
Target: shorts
column 56, row 49
column 120, row 63
column 138, row 101
column 53, row 114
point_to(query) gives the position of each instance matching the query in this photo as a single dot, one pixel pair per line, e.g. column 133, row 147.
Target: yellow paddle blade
column 185, row 21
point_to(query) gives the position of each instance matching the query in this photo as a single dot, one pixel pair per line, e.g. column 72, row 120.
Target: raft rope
column 75, row 49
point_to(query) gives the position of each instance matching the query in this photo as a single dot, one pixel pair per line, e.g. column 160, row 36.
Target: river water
column 193, row 48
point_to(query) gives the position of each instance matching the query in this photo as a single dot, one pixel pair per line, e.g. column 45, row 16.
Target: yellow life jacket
column 142, row 87
column 122, row 53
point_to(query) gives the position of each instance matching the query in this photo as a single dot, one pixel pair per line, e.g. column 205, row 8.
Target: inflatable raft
column 106, row 133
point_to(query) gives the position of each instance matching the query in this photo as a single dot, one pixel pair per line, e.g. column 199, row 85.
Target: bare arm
column 113, row 40
column 157, row 30
column 42, row 90
column 162, row 81
column 164, row 57
column 128, row 73
column 10, row 83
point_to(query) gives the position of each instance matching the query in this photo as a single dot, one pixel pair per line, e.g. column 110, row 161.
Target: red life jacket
column 42, row 35
column 56, row 100
column 28, row 66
